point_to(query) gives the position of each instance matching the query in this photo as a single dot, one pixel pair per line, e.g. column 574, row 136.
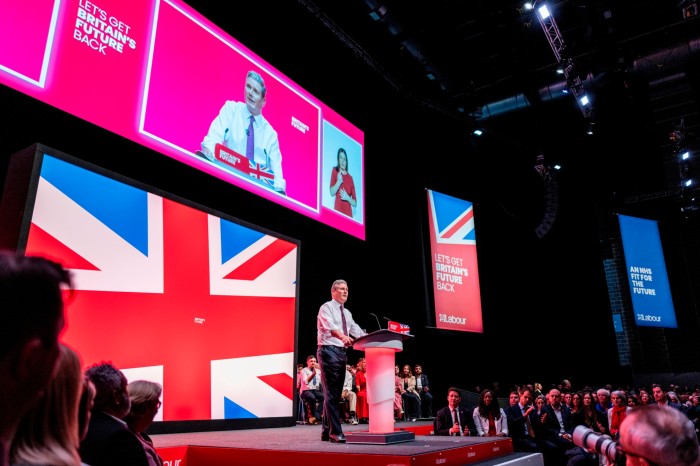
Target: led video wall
column 162, row 75
column 167, row 290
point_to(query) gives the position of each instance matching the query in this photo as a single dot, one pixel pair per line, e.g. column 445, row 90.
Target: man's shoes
column 324, row 438
column 354, row 421
column 339, row 438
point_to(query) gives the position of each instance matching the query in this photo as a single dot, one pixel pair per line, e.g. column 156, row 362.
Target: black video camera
column 601, row 444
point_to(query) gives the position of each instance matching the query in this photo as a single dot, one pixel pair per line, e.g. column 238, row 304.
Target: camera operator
column 658, row 436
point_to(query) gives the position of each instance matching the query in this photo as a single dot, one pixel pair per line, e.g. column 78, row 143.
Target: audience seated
column 85, row 404
column 310, row 389
column 521, row 417
column 423, row 389
column 49, row 433
column 411, row 398
column 489, row 418
column 618, row 412
column 109, row 442
column 144, row 396
column 453, row 419
column 350, row 396
column 32, row 313
column 398, row 391
column 661, row 397
column 361, row 385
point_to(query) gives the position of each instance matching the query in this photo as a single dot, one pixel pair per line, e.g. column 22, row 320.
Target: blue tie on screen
column 251, row 140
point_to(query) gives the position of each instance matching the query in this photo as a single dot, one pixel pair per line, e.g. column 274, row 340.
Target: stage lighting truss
column 566, row 65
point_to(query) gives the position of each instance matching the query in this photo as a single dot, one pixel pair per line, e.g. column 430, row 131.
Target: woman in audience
column 411, row 398
column 398, row 390
column 489, row 417
column 644, row 397
column 361, row 385
column 632, row 401
column 145, row 402
column 617, row 413
column 49, row 433
column 576, row 402
column 85, row 404
column 590, row 416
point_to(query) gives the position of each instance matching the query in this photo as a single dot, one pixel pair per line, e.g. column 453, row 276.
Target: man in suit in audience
column 522, row 416
column 453, row 419
column 558, row 431
column 32, row 311
column 661, row 399
column 109, row 442
column 423, row 389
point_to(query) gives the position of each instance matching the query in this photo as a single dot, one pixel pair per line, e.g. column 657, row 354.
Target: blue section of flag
column 233, row 410
column 447, row 210
column 235, row 238
column 120, row 207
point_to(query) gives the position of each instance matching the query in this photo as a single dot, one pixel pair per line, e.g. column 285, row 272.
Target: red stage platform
column 302, row 445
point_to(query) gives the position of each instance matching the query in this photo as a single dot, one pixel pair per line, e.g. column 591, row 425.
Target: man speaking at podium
column 242, row 127
column 335, row 327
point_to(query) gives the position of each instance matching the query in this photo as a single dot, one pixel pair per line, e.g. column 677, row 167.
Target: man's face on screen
column 254, row 99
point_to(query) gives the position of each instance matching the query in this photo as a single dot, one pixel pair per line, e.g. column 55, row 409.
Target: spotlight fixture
column 685, row 155
column 478, row 132
column 591, row 128
column 544, row 12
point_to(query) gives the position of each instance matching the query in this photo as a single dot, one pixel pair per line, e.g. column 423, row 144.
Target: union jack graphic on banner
column 170, row 291
column 452, row 219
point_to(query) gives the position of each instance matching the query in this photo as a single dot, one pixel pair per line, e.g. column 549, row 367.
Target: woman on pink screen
column 343, row 186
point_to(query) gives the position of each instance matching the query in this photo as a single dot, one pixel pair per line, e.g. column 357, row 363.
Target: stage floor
column 302, row 443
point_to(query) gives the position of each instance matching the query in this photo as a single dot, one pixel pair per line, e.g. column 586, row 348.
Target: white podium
column 380, row 348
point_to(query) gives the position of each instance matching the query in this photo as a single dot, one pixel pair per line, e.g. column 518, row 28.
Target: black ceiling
column 494, row 67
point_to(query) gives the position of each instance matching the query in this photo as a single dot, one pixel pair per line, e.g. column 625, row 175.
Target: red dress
column 349, row 187
column 362, row 406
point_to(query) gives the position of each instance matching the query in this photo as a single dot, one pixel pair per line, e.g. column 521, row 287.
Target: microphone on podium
column 375, row 316
column 386, row 318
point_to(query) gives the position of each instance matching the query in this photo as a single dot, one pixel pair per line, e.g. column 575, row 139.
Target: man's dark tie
column 345, row 324
column 455, row 419
column 249, row 150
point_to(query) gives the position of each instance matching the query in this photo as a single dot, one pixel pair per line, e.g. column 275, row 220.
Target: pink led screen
column 158, row 73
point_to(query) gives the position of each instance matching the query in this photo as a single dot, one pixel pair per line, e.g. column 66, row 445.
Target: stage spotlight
column 685, row 155
column 688, row 183
column 543, row 11
column 584, row 100
column 477, row 132
column 591, row 128
column 528, row 6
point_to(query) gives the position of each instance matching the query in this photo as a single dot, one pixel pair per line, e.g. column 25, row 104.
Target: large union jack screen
column 203, row 304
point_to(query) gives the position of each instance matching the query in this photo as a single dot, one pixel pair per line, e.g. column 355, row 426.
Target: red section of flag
column 51, row 248
column 281, row 382
column 262, row 261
